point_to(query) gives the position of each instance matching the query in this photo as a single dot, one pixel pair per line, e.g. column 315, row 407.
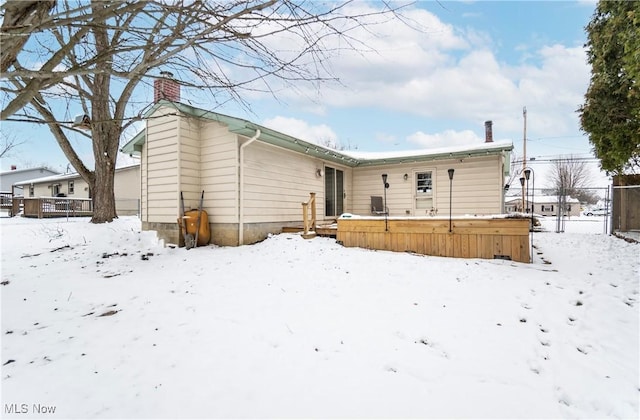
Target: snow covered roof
column 64, row 177
column 17, row 171
column 348, row 158
column 543, row 199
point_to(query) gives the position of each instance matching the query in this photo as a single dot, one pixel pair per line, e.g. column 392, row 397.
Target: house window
column 71, row 187
column 423, row 191
column 424, row 184
column 31, row 190
column 547, row 207
column 55, row 190
column 334, row 192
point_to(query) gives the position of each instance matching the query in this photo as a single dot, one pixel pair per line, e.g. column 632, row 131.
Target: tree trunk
column 104, row 203
column 105, row 129
column 105, row 133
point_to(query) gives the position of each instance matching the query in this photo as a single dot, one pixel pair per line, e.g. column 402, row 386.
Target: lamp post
column 524, row 203
column 386, row 213
column 528, row 172
column 450, row 196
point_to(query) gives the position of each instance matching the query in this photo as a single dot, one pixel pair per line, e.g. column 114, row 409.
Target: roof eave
column 461, row 154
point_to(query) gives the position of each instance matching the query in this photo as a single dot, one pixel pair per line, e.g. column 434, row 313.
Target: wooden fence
column 489, row 238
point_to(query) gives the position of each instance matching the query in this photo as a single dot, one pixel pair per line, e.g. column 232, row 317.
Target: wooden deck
column 489, row 238
column 53, row 207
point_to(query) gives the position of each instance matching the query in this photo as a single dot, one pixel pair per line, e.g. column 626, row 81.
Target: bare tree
column 91, row 56
column 568, row 176
column 8, row 142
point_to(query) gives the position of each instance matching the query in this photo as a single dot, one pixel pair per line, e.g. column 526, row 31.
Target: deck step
column 325, row 230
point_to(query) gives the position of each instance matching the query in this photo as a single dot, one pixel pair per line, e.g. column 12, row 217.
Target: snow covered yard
column 102, row 321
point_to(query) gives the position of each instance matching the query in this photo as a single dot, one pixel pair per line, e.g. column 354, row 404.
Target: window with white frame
column 31, row 190
column 71, row 187
column 423, row 191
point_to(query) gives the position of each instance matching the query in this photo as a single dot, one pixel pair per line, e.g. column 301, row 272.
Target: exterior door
column 333, row 192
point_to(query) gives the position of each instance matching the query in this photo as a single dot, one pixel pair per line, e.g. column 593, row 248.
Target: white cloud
column 319, row 134
column 446, row 138
column 450, row 73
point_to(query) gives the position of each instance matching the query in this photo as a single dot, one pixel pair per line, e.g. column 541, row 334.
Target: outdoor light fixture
column 406, row 176
column 319, row 172
column 386, row 213
column 450, row 196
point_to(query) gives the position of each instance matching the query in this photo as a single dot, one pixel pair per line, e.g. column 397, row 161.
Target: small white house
column 544, row 205
column 254, row 179
column 126, row 188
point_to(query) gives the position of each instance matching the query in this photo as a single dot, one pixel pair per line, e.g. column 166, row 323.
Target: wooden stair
column 330, row 230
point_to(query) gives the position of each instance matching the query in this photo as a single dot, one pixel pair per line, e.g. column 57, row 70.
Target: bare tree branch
column 91, row 56
column 8, row 143
column 18, row 16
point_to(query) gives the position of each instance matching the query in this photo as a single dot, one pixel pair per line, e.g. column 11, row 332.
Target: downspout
column 241, row 188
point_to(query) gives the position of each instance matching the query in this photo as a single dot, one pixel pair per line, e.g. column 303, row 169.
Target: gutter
column 241, row 187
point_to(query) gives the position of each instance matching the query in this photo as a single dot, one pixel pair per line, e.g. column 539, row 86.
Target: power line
column 533, row 161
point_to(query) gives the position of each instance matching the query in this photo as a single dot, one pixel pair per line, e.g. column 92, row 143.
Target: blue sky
column 473, row 61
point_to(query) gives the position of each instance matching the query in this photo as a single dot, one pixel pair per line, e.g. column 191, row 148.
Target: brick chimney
column 488, row 131
column 165, row 87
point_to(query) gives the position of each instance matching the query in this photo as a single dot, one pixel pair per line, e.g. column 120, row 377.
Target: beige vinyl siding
column 144, row 167
column 80, row 188
column 277, row 181
column 367, row 182
column 477, row 185
column 160, row 154
column 126, row 183
column 127, row 190
column 189, row 166
column 219, row 172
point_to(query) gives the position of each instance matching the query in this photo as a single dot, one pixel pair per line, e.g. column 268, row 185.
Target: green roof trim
column 135, row 144
column 276, row 138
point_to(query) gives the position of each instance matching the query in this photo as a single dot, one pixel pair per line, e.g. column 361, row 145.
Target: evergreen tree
column 610, row 114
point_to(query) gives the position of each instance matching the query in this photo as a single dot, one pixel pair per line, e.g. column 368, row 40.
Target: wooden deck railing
column 309, row 221
column 41, row 207
column 6, row 201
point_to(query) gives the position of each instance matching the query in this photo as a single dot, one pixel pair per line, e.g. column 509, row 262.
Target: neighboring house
column 544, row 205
column 9, row 178
column 254, row 179
column 126, row 188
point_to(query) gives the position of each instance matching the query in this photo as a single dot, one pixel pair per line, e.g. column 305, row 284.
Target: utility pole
column 524, row 156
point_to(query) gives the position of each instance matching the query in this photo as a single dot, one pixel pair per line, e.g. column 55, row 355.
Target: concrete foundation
column 222, row 234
